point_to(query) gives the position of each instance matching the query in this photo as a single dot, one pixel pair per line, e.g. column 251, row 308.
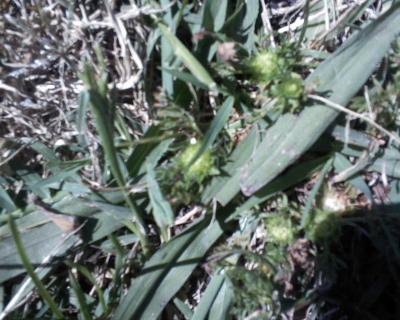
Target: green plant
column 231, row 225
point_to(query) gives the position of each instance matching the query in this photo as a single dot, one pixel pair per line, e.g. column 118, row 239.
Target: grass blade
column 83, row 307
column 31, row 272
column 187, row 58
column 221, row 306
column 166, row 271
column 102, row 112
column 162, row 211
column 208, row 297
column 216, row 126
column 314, row 192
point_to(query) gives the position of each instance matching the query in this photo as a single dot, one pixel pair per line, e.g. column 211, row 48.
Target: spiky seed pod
column 201, row 168
column 264, row 67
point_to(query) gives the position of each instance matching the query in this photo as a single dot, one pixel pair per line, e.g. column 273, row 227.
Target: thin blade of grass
column 162, row 211
column 166, row 271
column 102, row 112
column 83, row 307
column 187, row 58
column 221, row 306
column 167, row 51
column 31, row 272
column 216, row 126
column 314, row 192
column 206, row 302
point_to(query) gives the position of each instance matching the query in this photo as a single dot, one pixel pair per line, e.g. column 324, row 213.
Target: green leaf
column 314, row 192
column 39, row 242
column 45, row 151
column 156, row 154
column 188, row 59
column 391, row 168
column 185, row 77
column 81, row 117
column 341, row 164
column 206, row 302
column 223, row 187
column 166, row 271
column 240, row 25
column 293, row 176
column 167, row 50
column 221, row 306
column 41, row 236
column 139, row 154
column 351, row 136
column 183, row 308
column 214, row 14
column 83, row 306
column 102, row 109
column 248, row 23
column 5, row 200
column 30, row 270
column 216, row 126
column 162, row 211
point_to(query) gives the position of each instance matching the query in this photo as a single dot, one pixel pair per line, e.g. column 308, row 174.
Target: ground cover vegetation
column 199, row 159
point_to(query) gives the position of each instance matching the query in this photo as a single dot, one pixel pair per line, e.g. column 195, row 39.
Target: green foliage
column 234, row 224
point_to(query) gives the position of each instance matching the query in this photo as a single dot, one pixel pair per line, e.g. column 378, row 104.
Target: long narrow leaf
column 208, row 297
column 187, row 58
column 102, row 112
column 220, row 308
column 6, row 201
column 31, row 272
column 216, row 126
column 162, row 211
column 165, row 273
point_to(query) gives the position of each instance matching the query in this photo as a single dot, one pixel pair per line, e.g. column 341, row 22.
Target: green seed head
column 264, row 67
column 291, row 87
column 201, row 168
column 279, row 230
